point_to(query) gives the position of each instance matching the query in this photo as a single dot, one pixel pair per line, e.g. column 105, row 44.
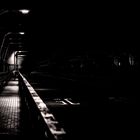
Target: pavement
column 11, row 119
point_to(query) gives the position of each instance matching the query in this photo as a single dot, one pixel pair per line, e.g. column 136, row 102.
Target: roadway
column 103, row 106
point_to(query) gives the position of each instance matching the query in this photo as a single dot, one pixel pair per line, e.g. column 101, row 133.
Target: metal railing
column 44, row 121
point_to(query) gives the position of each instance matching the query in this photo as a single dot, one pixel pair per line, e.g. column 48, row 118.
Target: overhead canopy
column 71, row 28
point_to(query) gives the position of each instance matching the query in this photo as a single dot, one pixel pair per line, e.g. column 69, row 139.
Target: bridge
column 58, row 82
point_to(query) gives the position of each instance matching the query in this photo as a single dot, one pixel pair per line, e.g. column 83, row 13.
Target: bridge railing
column 43, row 121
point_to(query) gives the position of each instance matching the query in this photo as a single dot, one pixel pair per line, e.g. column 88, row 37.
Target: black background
column 68, row 27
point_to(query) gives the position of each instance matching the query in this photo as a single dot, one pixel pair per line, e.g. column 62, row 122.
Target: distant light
column 131, row 60
column 11, row 59
column 24, row 11
column 21, row 33
column 119, row 64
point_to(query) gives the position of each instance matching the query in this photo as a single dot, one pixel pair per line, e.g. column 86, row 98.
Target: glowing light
column 24, row 11
column 12, row 58
column 119, row 64
column 21, row 33
column 131, row 60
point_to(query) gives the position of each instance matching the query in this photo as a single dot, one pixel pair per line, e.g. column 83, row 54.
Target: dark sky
column 78, row 28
